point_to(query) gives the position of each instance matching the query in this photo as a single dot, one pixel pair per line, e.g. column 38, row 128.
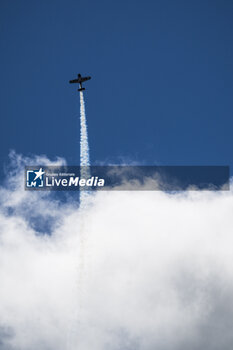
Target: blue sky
column 162, row 79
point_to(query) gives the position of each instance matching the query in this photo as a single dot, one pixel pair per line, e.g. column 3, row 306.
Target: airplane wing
column 74, row 81
column 85, row 78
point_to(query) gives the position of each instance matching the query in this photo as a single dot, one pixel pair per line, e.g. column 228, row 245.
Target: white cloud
column 136, row 270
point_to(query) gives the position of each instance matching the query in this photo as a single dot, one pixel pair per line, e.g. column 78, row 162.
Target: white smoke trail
column 84, row 146
column 76, row 327
column 84, row 151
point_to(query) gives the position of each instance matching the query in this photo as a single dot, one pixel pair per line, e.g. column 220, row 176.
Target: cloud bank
column 134, row 270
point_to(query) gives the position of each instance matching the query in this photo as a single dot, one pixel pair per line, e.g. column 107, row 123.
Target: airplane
column 80, row 80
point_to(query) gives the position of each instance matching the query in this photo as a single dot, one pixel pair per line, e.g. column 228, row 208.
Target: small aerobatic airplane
column 80, row 80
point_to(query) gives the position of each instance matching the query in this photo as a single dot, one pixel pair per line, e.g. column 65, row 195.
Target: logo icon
column 35, row 178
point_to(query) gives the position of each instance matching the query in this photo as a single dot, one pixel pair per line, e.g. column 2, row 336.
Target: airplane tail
column 81, row 89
